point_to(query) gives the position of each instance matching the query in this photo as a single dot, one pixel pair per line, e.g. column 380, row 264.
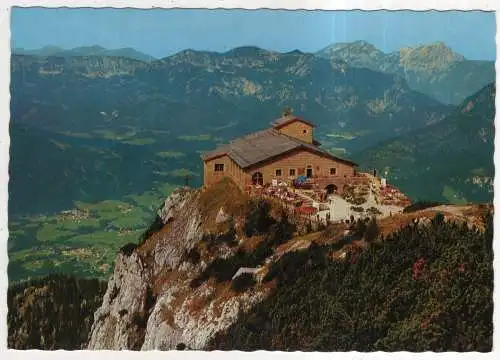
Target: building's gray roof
column 261, row 146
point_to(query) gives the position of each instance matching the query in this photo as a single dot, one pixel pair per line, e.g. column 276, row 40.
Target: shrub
column 373, row 211
column 438, row 219
column 229, row 238
column 372, row 230
column 180, row 347
column 360, row 228
column 258, row 219
column 358, row 200
column 154, row 227
column 224, row 269
column 193, row 256
column 262, row 251
column 196, row 282
column 293, row 264
column 128, row 249
column 139, row 320
column 420, row 205
column 280, row 232
column 330, row 231
column 242, row 282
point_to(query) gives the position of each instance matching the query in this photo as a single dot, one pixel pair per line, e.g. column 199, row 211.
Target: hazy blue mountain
column 451, row 160
column 48, row 50
column 433, row 69
column 95, row 50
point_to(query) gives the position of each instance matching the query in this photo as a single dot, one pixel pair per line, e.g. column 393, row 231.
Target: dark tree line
column 55, row 312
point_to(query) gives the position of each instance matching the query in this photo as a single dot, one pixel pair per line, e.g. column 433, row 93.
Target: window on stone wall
column 304, row 131
column 219, row 167
column 278, row 172
column 333, row 171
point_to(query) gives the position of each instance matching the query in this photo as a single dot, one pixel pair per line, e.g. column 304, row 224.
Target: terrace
column 363, row 196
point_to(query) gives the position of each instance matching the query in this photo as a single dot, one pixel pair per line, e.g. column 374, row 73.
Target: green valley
column 83, row 240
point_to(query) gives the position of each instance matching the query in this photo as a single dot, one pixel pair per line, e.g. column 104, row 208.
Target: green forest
column 54, row 312
column 421, row 289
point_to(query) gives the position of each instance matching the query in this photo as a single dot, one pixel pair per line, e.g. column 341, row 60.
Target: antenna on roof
column 287, row 111
column 186, row 180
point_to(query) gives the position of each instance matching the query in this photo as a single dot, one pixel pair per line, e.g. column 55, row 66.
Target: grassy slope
column 81, row 245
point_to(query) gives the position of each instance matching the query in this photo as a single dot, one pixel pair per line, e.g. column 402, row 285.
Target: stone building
column 283, row 152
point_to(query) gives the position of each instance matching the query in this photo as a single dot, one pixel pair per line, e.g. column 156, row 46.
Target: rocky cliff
column 220, row 270
column 151, row 303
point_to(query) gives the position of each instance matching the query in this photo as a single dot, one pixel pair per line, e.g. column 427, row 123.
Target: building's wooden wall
column 231, row 169
column 296, row 130
column 300, row 160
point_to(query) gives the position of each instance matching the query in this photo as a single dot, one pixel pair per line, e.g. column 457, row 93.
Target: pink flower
column 417, row 268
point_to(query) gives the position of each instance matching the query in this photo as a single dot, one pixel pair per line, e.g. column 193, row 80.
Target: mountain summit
column 434, row 69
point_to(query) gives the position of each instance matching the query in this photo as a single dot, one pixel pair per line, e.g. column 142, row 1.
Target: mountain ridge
column 258, row 82
column 433, row 69
column 430, row 68
column 459, row 150
column 93, row 50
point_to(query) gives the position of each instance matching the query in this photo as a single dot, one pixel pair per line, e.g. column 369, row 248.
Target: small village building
column 281, row 153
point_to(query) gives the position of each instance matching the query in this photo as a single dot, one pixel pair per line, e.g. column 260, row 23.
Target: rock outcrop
column 123, row 304
column 150, row 302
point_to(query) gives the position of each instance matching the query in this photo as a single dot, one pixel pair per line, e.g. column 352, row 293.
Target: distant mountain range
column 449, row 161
column 76, row 119
column 432, row 69
column 95, row 50
column 226, row 94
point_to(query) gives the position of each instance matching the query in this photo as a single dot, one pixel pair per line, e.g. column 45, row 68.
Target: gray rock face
column 167, row 212
column 193, row 328
column 222, row 216
column 149, row 303
column 123, row 302
column 181, row 212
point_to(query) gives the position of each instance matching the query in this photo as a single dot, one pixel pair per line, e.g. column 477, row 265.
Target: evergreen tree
column 372, row 230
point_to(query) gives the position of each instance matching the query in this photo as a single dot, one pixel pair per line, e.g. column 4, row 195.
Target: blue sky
column 163, row 32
